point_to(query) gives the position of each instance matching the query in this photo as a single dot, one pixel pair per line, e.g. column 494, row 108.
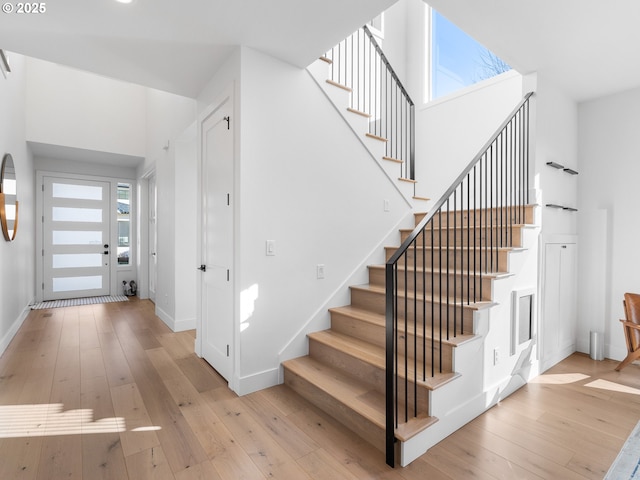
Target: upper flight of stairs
column 359, row 122
column 344, row 373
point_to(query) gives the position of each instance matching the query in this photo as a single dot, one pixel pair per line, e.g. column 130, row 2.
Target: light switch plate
column 271, row 248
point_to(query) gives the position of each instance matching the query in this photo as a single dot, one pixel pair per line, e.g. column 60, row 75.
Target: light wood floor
column 128, row 399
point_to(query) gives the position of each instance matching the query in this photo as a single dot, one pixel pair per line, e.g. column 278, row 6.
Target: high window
column 457, row 60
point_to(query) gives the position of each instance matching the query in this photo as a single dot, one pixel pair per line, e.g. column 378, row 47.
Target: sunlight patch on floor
column 613, row 387
column 559, row 378
column 49, row 419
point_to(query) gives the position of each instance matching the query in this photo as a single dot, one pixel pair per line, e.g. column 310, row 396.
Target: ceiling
column 177, row 45
column 589, row 48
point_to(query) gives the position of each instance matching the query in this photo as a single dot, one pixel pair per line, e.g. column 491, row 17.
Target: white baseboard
column 15, row 326
column 184, row 324
column 173, row 324
column 257, row 381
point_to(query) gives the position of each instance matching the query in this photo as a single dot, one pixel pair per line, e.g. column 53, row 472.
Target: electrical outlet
column 496, row 356
column 320, row 271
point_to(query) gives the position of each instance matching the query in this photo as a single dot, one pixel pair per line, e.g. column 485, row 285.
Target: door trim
column 113, row 181
column 226, row 97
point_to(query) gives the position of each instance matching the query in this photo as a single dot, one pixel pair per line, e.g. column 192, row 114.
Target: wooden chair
column 631, row 326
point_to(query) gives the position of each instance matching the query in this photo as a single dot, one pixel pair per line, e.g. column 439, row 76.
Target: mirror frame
column 3, row 215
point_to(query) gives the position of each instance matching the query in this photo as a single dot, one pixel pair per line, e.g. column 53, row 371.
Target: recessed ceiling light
column 125, row 1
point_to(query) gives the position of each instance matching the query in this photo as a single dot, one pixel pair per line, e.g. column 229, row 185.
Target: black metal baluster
column 415, row 336
column 433, row 304
column 455, row 261
column 406, row 358
column 424, row 303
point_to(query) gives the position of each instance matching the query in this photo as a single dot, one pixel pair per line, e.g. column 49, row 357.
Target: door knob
column 203, row 268
column 106, row 245
column 106, row 252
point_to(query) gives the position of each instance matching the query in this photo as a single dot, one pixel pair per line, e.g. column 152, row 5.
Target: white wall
column 608, row 198
column 185, row 229
column 556, row 141
column 78, row 109
column 405, row 44
column 17, row 280
column 451, row 131
column 84, row 168
column 555, row 116
column 167, row 117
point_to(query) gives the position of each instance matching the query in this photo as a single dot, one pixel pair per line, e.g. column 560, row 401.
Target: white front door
column 76, row 238
column 217, row 240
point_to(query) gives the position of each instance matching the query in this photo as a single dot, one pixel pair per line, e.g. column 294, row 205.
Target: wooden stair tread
column 375, row 356
column 414, row 426
column 408, row 180
column 391, row 159
column 326, row 60
column 466, row 227
column 426, row 199
column 484, row 209
column 339, row 85
column 358, row 112
column 458, row 247
column 341, row 386
column 354, row 393
column 380, row 321
column 481, row 305
column 376, row 137
column 476, row 273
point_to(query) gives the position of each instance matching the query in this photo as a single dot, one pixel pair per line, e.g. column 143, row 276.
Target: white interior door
column 217, row 240
column 560, row 302
column 76, row 238
column 153, row 243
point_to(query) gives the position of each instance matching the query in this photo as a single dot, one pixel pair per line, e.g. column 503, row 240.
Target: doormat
column 74, row 302
column 626, row 466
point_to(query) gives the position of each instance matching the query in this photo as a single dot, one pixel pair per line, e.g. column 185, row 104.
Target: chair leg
column 630, row 358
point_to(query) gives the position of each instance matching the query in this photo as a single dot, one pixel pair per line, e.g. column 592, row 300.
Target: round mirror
column 8, row 198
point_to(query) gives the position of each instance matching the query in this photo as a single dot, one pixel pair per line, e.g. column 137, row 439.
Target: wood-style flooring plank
column 140, row 433
column 149, row 464
column 297, row 443
column 182, row 449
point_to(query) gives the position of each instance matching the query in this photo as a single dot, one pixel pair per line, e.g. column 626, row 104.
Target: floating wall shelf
column 570, row 172
column 561, row 207
column 555, row 165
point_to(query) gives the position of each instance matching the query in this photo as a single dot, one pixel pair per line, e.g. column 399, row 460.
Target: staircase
column 344, row 373
column 403, row 364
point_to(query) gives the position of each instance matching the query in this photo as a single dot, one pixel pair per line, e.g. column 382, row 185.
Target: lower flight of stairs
column 344, row 372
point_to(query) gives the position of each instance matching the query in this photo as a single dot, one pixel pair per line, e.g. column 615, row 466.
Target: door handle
column 106, row 252
column 202, row 268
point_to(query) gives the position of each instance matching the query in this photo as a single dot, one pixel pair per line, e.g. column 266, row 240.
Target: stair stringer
column 359, row 125
column 475, row 391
